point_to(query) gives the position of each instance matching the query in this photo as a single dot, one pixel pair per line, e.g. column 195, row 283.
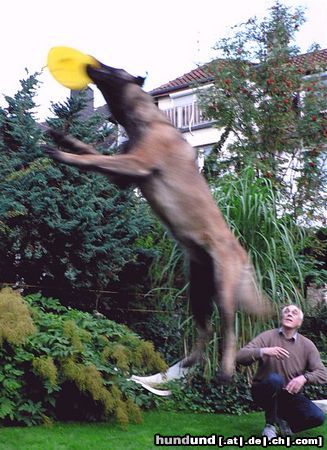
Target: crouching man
column 287, row 361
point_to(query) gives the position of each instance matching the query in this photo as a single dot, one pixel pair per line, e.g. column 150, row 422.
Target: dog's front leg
column 126, row 165
column 71, row 143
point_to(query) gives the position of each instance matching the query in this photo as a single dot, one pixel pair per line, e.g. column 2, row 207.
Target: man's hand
column 277, row 352
column 295, row 385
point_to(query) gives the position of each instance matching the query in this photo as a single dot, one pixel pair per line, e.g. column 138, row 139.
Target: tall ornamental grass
column 275, row 242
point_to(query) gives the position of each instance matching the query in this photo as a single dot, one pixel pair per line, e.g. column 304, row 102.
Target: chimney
column 89, row 95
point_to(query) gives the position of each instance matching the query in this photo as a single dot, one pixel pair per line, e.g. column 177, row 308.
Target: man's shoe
column 284, row 428
column 269, row 431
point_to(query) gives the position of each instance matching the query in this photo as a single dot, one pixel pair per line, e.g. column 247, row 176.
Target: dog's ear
column 140, row 81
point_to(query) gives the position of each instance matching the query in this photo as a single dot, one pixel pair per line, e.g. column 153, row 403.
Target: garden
column 93, row 290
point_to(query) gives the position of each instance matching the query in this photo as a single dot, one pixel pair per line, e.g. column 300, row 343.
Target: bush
column 196, row 393
column 314, row 327
column 65, row 364
column 316, row 391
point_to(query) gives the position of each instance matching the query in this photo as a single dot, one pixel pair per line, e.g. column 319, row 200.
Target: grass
column 103, row 436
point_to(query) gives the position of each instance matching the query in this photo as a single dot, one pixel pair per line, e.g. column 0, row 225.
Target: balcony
column 186, row 116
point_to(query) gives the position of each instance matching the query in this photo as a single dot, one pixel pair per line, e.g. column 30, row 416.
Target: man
column 287, row 361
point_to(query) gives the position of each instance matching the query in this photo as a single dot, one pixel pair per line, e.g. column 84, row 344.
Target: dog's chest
column 180, row 199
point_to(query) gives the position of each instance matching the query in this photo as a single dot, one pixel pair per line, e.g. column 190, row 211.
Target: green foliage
column 198, row 394
column 18, row 128
column 317, row 391
column 315, row 327
column 275, row 242
column 60, row 226
column 166, row 295
column 60, row 368
column 46, row 368
column 270, row 111
column 15, row 321
column 195, row 393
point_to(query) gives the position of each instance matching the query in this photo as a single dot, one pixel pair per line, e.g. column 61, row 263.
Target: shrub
column 59, row 363
column 15, row 322
column 314, row 327
column 196, row 393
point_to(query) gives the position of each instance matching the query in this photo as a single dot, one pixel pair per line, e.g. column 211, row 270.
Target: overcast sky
column 164, row 39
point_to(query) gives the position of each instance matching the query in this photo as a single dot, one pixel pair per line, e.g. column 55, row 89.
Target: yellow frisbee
column 68, row 67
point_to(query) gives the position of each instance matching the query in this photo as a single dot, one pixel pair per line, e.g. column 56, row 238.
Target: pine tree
column 60, row 227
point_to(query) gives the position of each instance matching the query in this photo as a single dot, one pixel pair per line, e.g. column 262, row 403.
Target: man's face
column 291, row 317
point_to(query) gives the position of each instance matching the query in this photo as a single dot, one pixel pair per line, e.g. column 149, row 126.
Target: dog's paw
column 187, row 362
column 53, row 153
column 223, row 378
column 191, row 360
column 57, row 136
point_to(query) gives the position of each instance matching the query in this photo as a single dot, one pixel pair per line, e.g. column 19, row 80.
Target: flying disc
column 68, row 67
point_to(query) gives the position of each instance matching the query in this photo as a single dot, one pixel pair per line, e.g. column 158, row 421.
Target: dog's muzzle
column 104, row 73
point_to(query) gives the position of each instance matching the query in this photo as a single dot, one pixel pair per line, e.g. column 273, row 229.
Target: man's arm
column 259, row 347
column 316, row 372
column 252, row 351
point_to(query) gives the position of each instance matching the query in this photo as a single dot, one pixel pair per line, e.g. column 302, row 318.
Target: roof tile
column 307, row 61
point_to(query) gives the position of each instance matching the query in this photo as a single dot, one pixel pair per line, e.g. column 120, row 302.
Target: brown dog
column 163, row 165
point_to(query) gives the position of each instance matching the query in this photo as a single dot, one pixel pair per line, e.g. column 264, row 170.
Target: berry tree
column 271, row 103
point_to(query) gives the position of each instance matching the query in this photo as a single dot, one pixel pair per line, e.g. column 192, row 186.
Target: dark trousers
column 300, row 412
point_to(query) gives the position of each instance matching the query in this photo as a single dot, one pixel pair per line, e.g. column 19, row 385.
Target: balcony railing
column 186, row 116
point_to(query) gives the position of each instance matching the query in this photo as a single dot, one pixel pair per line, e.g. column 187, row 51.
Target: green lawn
column 139, row 437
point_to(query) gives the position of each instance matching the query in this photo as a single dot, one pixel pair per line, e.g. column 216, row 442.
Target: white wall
column 203, row 136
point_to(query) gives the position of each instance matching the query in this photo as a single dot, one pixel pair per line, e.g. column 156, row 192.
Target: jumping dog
column 162, row 164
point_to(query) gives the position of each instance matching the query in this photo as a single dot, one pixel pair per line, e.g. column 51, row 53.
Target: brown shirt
column 304, row 357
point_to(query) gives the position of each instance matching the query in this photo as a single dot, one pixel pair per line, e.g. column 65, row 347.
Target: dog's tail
column 249, row 296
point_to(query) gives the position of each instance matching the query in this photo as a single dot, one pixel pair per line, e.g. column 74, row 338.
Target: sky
column 162, row 40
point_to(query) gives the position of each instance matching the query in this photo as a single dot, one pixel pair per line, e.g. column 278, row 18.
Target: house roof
column 200, row 75
column 311, row 60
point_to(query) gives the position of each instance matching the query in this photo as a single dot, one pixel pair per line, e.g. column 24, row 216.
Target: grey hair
column 292, row 304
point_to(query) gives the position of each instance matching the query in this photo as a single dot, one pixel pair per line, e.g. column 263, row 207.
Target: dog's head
column 112, row 77
column 112, row 83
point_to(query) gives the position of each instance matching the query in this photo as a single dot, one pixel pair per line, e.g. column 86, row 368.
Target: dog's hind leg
column 227, row 275
column 227, row 318
column 237, row 289
column 201, row 291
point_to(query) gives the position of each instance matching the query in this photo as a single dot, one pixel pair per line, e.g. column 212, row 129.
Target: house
column 178, row 100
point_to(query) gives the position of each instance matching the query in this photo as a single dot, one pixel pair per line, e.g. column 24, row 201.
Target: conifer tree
column 60, row 227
